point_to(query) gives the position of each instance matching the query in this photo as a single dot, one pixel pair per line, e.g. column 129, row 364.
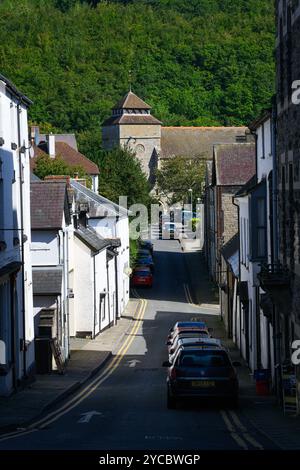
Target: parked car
column 202, row 372
column 145, row 260
column 142, row 276
column 187, row 333
column 188, row 342
column 183, row 326
column 147, row 245
column 186, row 324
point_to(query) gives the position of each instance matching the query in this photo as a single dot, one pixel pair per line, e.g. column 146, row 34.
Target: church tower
column 132, row 126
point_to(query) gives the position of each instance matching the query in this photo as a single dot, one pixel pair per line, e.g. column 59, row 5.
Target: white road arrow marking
column 86, row 417
column 133, row 363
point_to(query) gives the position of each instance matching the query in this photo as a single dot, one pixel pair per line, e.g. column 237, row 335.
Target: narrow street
column 124, row 406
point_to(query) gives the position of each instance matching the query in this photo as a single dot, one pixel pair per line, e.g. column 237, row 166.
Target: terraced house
column 16, row 310
column 287, row 275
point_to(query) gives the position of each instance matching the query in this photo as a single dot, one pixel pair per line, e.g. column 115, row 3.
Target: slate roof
column 90, row 237
column 192, row 142
column 69, row 139
column 234, row 164
column 33, row 177
column 47, row 281
column 230, row 252
column 249, row 186
column 71, row 156
column 131, row 119
column 48, row 203
column 131, row 101
column 99, row 206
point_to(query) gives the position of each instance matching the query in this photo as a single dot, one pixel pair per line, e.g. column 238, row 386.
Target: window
column 258, row 224
column 263, row 143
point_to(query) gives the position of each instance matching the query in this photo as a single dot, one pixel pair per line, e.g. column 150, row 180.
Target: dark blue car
column 202, row 372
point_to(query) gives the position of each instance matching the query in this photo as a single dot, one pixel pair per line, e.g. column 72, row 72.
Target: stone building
column 288, row 172
column 233, row 165
column 132, row 125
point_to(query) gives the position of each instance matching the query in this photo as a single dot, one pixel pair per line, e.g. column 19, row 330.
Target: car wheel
column 171, row 402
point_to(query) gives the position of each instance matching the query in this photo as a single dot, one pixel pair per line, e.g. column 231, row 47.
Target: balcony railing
column 274, row 275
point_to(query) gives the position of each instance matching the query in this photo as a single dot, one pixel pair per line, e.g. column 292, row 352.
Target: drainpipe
column 239, row 279
column 22, row 239
column 95, row 295
column 117, row 290
column 276, row 322
column 108, row 293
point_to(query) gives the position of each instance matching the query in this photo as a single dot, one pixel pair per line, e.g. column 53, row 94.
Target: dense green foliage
column 121, row 175
column 197, row 62
column 177, row 176
column 45, row 166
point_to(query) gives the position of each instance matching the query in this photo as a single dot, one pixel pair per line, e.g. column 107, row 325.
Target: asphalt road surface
column 124, row 406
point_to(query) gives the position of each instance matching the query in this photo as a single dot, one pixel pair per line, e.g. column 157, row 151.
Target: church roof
column 131, row 119
column 192, row 142
column 131, row 101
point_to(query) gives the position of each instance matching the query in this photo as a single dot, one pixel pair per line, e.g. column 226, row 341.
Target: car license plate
column 203, row 383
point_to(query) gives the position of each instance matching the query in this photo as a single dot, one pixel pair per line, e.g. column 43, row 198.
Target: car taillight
column 173, row 373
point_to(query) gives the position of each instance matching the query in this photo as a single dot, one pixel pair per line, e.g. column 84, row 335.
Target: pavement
column 127, row 409
column 47, row 391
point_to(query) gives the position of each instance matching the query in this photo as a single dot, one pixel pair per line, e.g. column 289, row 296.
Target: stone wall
column 288, row 144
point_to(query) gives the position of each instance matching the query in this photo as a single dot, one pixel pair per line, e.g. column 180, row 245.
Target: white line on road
column 86, row 417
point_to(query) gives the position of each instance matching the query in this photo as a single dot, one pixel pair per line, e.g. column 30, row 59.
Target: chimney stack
column 51, row 145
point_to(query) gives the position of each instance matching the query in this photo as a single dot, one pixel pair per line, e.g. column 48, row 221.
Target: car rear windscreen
column 204, row 359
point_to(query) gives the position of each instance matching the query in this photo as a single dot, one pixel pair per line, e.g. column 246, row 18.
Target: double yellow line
column 188, row 295
column 239, row 432
column 90, row 388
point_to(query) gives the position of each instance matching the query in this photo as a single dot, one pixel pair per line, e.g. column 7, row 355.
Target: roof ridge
column 204, row 127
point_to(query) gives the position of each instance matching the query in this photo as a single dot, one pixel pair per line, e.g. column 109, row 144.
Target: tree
column 46, row 166
column 177, row 175
column 121, row 175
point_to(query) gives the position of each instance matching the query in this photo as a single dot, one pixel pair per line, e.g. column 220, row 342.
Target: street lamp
column 191, row 195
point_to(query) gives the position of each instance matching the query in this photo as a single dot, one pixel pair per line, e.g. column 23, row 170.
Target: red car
column 142, row 276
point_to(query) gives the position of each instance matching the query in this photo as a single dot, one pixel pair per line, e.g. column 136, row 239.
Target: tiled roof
column 131, row 119
column 46, row 281
column 99, row 206
column 71, row 156
column 194, row 142
column 131, row 101
column 48, row 204
column 91, row 238
column 234, row 164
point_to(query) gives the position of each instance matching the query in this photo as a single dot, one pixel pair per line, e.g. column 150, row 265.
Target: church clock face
column 140, row 148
